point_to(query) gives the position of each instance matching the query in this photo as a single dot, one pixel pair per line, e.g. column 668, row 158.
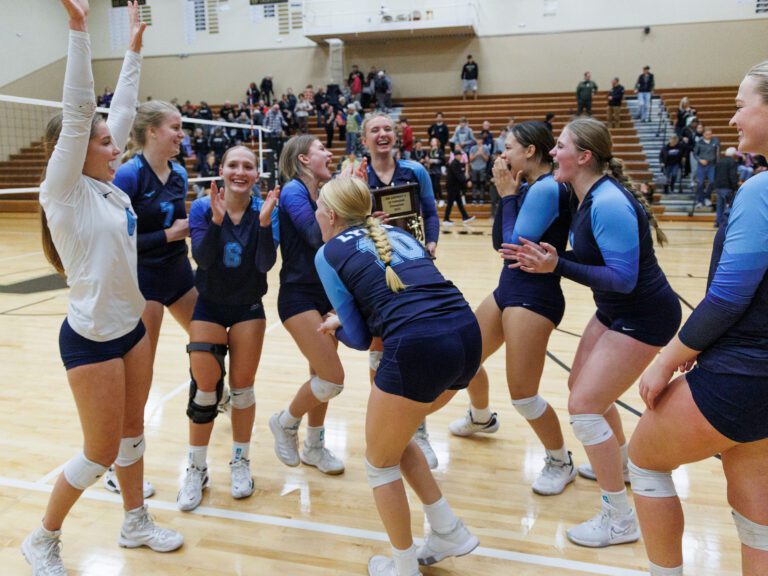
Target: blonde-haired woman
column 89, row 234
column 382, row 281
column 305, row 164
column 721, row 405
column 637, row 312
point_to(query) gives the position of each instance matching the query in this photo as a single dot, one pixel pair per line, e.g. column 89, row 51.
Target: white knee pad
column 374, row 359
column 590, row 429
column 750, row 533
column 131, row 451
column 324, row 390
column 242, row 398
column 81, row 472
column 381, row 476
column 530, row 408
column 651, row 483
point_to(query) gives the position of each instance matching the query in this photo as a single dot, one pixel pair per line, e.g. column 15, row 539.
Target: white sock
column 135, row 512
column 561, row 454
column 440, row 516
column 198, row 456
column 480, row 415
column 662, row 571
column 624, row 449
column 406, row 561
column 287, row 420
column 315, row 435
column 50, row 534
column 619, row 501
column 240, row 451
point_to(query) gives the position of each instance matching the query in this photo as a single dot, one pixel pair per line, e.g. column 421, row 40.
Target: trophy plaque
column 402, row 205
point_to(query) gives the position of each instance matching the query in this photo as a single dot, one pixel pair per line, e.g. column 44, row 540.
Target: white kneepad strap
column 242, row 398
column 530, row 408
column 381, row 476
column 131, row 451
column 751, row 533
column 324, row 390
column 651, row 483
column 81, row 473
column 590, row 429
column 374, row 359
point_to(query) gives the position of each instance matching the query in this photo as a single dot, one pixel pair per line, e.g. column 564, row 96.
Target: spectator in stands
column 382, row 91
column 744, row 165
column 105, row 100
column 243, row 119
column 547, row 120
column 706, row 151
column 267, row 90
column 456, row 183
column 685, row 112
column 320, row 99
column 276, row 124
column 463, row 135
column 615, row 98
column 584, row 92
column 208, row 169
column 469, row 76
column 287, row 112
column 759, row 164
column 671, row 157
column 726, row 184
column 188, row 110
column 368, row 90
column 218, row 142
column 329, row 123
column 292, row 100
column 439, row 130
column 644, row 90
column 226, row 110
column 341, row 123
column 354, row 123
column 406, row 137
column 486, row 136
column 204, row 112
column 302, row 112
column 199, row 147
column 688, row 140
column 252, row 94
column 419, row 153
column 435, row 163
column 501, row 139
column 479, row 156
column 356, row 80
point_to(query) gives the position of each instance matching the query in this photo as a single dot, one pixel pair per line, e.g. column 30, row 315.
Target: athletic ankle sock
column 560, row 454
column 440, row 516
column 657, row 570
column 240, row 451
column 134, row 512
column 288, row 420
column 619, row 501
column 198, row 456
column 480, row 415
column 624, row 449
column 406, row 561
column 49, row 533
column 315, row 435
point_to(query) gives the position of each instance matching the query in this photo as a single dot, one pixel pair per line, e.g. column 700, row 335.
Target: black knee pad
column 205, row 414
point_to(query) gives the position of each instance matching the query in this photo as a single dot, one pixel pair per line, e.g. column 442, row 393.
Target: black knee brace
column 205, row 414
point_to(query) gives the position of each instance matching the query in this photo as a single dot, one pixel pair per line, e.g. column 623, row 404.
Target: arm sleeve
column 427, row 201
column 741, row 269
column 205, row 236
column 299, row 210
column 353, row 331
column 496, row 234
column 79, row 102
column 615, row 227
column 122, row 111
column 531, row 219
column 266, row 250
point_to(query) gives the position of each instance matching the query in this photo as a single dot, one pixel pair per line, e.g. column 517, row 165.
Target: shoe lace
column 53, row 554
column 193, row 478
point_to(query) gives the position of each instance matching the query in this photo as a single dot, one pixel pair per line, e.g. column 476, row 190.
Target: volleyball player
column 365, row 269
column 637, row 311
column 301, row 304
column 157, row 187
column 89, row 234
column 232, row 243
column 525, row 308
column 721, row 405
column 379, row 138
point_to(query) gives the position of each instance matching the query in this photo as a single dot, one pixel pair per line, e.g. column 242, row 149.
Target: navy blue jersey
column 539, row 213
column 353, row 278
column 410, row 172
column 613, row 250
column 232, row 260
column 157, row 205
column 730, row 326
column 300, row 235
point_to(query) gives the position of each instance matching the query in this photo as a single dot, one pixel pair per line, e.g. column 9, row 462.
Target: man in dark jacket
column 469, row 75
column 584, row 91
column 644, row 89
column 267, row 91
column 439, row 130
column 615, row 97
column 726, row 184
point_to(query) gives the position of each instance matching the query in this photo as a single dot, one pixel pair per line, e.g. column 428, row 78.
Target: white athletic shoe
column 468, row 220
column 606, row 528
column 457, row 542
column 191, row 493
column 139, row 529
column 467, row 427
column 43, row 553
column 321, row 458
column 585, row 471
column 421, row 437
column 447, row 223
column 111, row 483
column 385, row 566
column 555, row 476
column 242, row 481
column 286, row 441
column 441, row 203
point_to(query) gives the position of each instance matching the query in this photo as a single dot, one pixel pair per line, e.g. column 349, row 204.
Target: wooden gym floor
column 300, row 522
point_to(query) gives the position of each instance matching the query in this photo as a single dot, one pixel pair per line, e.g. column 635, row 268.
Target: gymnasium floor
column 300, row 522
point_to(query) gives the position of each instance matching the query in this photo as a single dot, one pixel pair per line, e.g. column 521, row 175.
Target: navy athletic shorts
column 427, row 358
column 166, row 284
column 654, row 322
column 77, row 351
column 735, row 405
column 551, row 308
column 227, row 315
column 293, row 299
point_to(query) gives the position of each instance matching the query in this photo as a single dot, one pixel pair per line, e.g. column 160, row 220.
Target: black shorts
column 166, row 284
column 293, row 299
column 735, row 405
column 428, row 358
column 227, row 315
column 552, row 309
column 77, row 351
column 654, row 322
